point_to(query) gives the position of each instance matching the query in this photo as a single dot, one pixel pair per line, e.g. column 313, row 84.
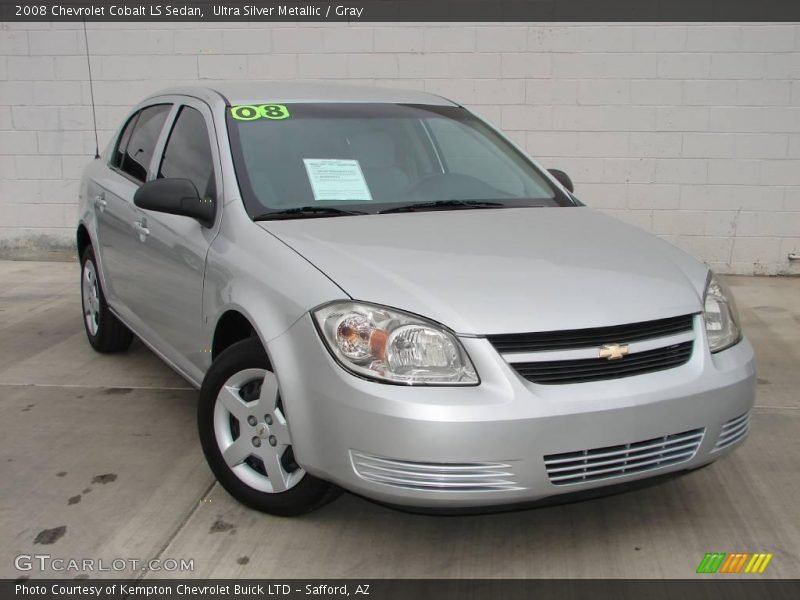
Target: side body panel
column 243, row 267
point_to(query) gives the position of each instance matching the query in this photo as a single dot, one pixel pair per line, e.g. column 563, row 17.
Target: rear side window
column 124, row 138
column 188, row 153
column 138, row 141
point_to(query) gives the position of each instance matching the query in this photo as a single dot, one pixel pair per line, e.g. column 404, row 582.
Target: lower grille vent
column 626, row 459
column 445, row 477
column 733, row 431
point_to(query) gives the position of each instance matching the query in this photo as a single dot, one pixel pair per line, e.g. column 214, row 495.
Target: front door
column 172, row 249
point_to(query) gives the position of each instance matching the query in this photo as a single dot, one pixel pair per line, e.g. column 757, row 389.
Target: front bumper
column 452, row 447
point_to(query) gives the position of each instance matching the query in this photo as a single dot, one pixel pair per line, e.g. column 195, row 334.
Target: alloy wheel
column 252, row 434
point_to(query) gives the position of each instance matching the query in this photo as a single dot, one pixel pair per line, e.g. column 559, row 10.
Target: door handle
column 100, row 202
column 141, row 228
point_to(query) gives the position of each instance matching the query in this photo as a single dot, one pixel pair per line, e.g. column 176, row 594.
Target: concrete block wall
column 689, row 131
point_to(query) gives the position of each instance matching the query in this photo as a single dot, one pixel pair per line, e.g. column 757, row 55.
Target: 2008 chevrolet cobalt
column 375, row 290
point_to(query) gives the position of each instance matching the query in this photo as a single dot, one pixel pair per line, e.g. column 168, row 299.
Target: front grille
column 444, row 477
column 594, row 337
column 733, row 431
column 627, row 459
column 597, row 369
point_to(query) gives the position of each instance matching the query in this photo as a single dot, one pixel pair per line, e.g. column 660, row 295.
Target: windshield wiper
column 306, row 212
column 443, row 205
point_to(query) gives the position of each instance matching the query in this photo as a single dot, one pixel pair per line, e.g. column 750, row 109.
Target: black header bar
column 405, row 10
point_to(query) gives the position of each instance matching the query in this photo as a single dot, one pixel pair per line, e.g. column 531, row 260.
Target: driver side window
column 188, row 153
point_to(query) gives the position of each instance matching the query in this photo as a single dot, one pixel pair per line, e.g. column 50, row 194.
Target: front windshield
column 369, row 158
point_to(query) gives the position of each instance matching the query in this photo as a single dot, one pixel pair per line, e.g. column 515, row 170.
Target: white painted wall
column 689, row 131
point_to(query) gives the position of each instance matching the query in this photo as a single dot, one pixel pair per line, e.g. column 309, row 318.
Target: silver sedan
column 376, row 290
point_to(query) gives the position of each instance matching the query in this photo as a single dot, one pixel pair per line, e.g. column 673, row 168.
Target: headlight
column 392, row 346
column 720, row 315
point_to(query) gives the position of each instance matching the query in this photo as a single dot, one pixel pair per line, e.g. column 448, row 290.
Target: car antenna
column 91, row 92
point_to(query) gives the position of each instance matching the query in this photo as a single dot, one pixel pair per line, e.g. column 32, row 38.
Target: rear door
column 113, row 204
column 171, row 249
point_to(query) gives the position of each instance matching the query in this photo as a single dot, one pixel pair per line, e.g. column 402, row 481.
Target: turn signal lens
column 353, row 334
column 392, row 346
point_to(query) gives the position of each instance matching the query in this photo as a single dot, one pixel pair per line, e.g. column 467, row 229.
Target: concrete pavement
column 99, row 459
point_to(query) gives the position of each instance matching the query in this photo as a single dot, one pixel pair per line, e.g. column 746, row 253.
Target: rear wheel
column 245, row 435
column 106, row 333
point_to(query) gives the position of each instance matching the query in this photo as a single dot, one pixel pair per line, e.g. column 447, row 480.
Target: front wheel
column 245, row 435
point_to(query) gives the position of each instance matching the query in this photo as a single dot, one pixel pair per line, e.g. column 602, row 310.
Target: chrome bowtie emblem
column 613, row 351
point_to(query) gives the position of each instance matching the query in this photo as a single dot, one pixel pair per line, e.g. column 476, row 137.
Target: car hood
column 502, row 270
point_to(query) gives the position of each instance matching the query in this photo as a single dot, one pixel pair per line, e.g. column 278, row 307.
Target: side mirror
column 562, row 178
column 175, row 197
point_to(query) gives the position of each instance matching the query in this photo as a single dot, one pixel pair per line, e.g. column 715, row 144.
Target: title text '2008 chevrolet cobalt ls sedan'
column 375, row 290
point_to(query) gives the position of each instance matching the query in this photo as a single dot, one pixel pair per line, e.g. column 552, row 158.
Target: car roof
column 260, row 92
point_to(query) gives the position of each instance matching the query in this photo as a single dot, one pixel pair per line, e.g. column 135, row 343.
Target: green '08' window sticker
column 249, row 112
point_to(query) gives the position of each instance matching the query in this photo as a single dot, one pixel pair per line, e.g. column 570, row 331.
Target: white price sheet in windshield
column 336, row 179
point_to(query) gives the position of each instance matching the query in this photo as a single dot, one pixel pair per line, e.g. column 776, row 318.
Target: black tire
column 309, row 494
column 111, row 335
